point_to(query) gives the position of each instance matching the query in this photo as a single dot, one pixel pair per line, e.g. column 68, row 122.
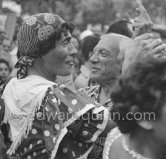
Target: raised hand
column 141, row 47
column 142, row 23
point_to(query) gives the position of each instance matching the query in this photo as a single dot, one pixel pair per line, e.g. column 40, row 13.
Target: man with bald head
column 112, row 55
column 106, row 66
column 106, row 63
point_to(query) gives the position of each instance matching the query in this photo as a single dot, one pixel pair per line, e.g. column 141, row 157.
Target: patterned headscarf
column 33, row 32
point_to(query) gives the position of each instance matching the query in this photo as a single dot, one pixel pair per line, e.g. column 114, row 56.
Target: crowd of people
column 90, row 95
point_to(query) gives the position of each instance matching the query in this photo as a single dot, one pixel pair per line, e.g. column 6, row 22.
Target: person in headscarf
column 41, row 114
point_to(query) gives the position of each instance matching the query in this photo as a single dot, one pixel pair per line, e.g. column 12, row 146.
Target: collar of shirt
column 85, row 71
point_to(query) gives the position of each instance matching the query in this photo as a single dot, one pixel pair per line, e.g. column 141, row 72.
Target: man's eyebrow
column 101, row 49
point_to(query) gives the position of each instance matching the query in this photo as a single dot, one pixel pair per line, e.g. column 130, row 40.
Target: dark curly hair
column 143, row 86
column 51, row 42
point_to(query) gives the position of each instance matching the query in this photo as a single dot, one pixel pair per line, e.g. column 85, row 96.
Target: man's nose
column 72, row 50
column 94, row 58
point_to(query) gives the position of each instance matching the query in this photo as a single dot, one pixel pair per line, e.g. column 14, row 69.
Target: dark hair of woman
column 143, row 87
column 50, row 43
column 88, row 45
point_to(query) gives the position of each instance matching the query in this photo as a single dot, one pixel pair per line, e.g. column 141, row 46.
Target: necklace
column 111, row 138
column 132, row 153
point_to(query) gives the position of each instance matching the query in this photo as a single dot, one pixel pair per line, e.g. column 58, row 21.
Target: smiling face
column 59, row 61
column 105, row 62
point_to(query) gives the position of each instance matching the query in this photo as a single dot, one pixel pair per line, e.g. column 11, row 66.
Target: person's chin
column 93, row 77
column 4, row 79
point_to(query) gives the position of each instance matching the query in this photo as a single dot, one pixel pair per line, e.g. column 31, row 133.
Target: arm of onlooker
column 142, row 46
column 142, row 23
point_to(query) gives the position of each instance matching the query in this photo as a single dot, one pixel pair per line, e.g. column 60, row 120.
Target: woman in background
column 140, row 112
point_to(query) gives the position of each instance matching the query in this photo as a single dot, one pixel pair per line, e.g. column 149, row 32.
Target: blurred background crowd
column 91, row 17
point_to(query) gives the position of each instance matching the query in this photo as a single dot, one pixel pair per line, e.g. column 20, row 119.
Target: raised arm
column 142, row 23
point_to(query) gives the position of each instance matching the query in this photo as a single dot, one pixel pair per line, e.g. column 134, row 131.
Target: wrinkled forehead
column 110, row 42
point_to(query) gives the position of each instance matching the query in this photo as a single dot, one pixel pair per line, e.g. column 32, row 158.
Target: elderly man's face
column 59, row 61
column 106, row 64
